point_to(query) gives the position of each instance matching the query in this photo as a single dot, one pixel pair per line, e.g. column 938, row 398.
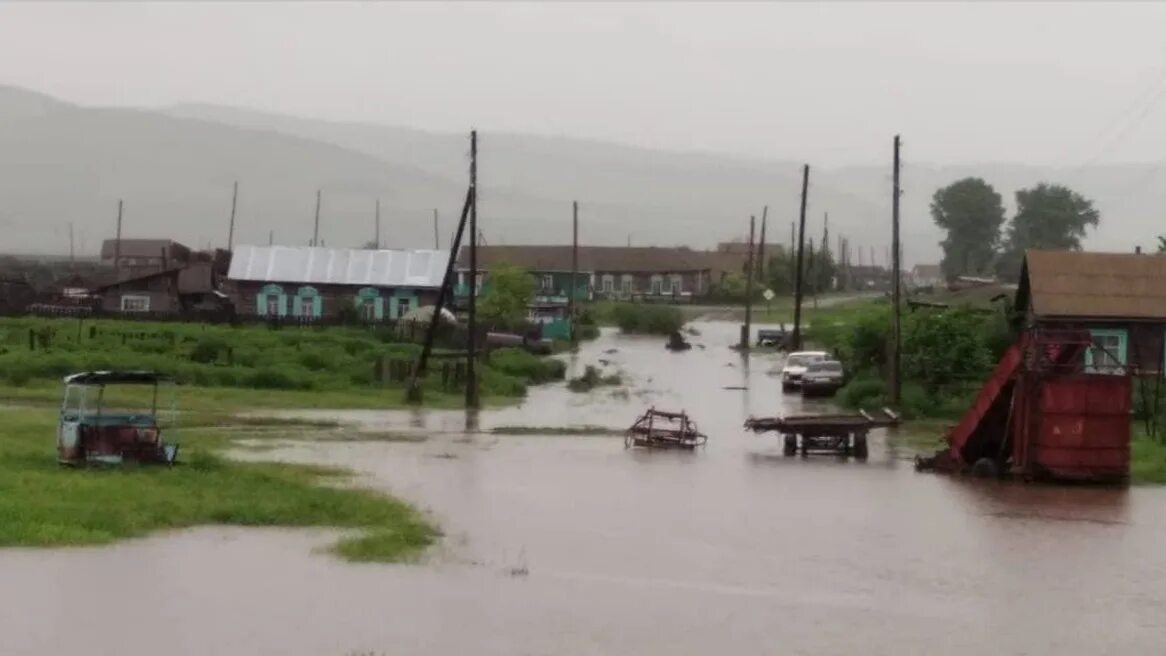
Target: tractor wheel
column 791, row 445
column 860, row 449
column 985, row 468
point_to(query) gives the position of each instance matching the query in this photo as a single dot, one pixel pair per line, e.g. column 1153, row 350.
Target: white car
column 795, row 367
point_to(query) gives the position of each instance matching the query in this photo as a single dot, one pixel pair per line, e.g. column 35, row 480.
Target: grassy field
column 45, row 505
column 332, row 367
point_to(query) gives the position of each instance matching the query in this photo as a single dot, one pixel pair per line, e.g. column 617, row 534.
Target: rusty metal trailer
column 839, row 434
column 662, row 429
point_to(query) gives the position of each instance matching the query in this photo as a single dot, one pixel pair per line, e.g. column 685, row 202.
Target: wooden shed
column 1120, row 298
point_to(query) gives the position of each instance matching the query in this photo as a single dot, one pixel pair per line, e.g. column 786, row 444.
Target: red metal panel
column 1004, row 372
column 1084, row 426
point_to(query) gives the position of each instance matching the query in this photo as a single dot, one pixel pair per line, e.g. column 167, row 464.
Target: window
column 307, row 306
column 608, row 284
column 657, row 285
column 548, row 283
column 676, row 285
column 625, row 285
column 135, row 303
column 368, row 309
column 1108, row 354
column 272, row 305
column 403, row 306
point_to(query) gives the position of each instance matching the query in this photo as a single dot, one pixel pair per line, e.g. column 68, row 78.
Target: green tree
column 779, row 272
column 508, row 293
column 972, row 213
column 1050, row 217
column 1162, row 244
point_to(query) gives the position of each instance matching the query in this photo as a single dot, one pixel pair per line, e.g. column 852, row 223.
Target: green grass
column 1147, row 458
column 45, row 505
column 331, row 364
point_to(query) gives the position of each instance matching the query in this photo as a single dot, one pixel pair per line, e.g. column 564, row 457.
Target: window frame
column 144, row 298
column 1122, row 353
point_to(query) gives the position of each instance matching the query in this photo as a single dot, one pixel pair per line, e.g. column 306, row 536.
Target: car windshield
column 801, row 359
column 829, row 367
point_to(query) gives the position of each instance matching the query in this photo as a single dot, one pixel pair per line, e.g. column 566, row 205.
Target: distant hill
column 700, row 198
column 62, row 163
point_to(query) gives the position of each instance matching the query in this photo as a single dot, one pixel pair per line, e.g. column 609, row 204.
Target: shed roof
column 1093, row 285
column 646, row 259
column 339, row 266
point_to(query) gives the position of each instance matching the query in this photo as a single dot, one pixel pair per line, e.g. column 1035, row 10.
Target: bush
column 647, row 318
column 863, row 393
column 207, row 350
column 521, row 364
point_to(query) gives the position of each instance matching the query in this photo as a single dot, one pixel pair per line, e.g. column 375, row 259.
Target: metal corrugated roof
column 1096, row 285
column 339, row 266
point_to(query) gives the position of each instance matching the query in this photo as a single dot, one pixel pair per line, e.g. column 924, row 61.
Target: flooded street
column 573, row 545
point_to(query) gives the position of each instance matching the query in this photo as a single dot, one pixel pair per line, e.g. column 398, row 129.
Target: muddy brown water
column 573, row 545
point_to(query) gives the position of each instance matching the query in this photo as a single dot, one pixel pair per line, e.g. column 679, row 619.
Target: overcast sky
column 1042, row 83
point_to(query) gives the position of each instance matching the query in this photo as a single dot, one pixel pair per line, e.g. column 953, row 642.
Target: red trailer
column 1043, row 415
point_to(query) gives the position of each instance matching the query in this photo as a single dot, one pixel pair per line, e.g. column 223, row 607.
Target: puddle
column 556, row 544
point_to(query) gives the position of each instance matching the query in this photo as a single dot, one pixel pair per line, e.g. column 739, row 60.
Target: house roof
column 140, row 247
column 646, row 259
column 339, row 266
column 1093, row 285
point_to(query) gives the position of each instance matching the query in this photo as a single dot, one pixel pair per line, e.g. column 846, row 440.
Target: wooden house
column 1120, row 298
column 189, row 288
column 616, row 272
column 313, row 282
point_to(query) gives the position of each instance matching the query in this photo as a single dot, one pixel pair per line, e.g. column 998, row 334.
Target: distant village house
column 313, row 283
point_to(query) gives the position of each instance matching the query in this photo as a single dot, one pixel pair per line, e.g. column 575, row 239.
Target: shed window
column 135, row 303
column 625, row 285
column 608, row 284
column 677, row 285
column 1108, row 353
column 657, row 285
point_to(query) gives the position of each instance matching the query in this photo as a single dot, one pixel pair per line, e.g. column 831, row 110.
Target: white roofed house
column 313, row 283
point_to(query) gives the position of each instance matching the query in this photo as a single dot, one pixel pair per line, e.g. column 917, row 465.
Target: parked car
column 795, row 367
column 823, row 377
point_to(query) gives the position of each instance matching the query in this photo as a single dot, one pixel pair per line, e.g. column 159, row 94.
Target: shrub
column 647, row 319
column 863, row 393
column 591, row 379
column 207, row 350
column 519, row 363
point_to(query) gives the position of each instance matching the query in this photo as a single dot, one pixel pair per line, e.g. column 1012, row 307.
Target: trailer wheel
column 791, row 445
column 985, row 468
column 860, row 449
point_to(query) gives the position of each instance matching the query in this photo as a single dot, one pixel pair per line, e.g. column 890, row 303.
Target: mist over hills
column 62, row 163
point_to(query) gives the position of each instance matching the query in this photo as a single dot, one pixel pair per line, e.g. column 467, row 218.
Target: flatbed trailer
column 839, row 434
column 662, row 429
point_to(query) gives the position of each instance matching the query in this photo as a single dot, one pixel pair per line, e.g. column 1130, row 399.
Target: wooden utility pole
column 117, row 246
column 796, row 339
column 231, row 228
column 72, row 257
column 896, row 346
column 316, row 229
column 573, row 303
column 377, row 228
column 436, row 239
column 746, row 329
column 761, row 247
column 472, row 318
column 413, row 390
column 823, row 250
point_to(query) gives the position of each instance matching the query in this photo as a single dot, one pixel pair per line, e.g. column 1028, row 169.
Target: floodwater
column 574, row 545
